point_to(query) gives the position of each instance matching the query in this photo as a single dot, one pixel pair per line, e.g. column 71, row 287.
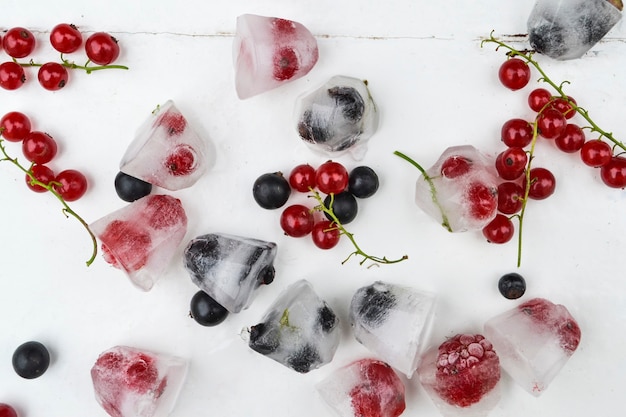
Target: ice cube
column 230, row 268
column 338, row 117
column 131, row 382
column 269, row 52
column 166, row 151
column 393, row 322
column 299, row 330
column 534, row 341
column 566, row 29
column 364, row 388
column 461, row 376
column 460, row 190
column 142, row 237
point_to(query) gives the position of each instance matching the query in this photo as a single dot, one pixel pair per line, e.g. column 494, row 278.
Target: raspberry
column 163, row 211
column 556, row 319
column 141, row 375
column 381, row 393
column 125, row 245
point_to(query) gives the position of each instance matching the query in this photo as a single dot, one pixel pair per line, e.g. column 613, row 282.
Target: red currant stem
column 527, row 56
column 66, row 210
column 433, row 190
column 71, row 65
column 358, row 251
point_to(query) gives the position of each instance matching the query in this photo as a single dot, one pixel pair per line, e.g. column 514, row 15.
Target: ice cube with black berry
column 338, row 117
column 230, row 268
column 299, row 330
column 393, row 322
column 567, row 29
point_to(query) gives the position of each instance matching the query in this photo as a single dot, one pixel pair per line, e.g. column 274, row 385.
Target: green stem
column 71, row 65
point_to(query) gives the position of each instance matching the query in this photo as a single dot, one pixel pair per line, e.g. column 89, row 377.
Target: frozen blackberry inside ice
column 206, row 311
column 512, row 285
column 129, row 188
column 304, row 359
column 344, row 206
column 327, row 318
column 349, row 100
column 373, row 304
column 363, row 182
column 264, row 339
column 271, row 191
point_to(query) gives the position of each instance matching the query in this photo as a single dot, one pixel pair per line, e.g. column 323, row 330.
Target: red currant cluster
column 18, row 42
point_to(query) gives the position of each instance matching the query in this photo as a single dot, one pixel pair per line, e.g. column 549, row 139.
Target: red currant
column 65, row 38
column 499, row 230
column 514, row 73
column 285, row 63
column 73, row 184
column 571, row 139
column 325, row 234
column 511, row 163
column 510, row 197
column 15, row 126
column 455, row 166
column 538, row 98
column 517, row 132
column 7, row 411
column 52, row 76
column 102, row 48
column 596, row 153
column 11, row 75
column 331, row 177
column 297, row 220
column 564, row 106
column 182, row 161
column 613, row 174
column 18, row 42
column 542, row 184
column 39, row 147
column 483, row 200
column 42, row 174
column 302, row 177
column 550, row 123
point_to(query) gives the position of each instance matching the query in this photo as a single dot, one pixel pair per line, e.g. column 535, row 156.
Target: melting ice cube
column 142, row 237
column 566, row 29
column 393, row 322
column 461, row 192
column 230, row 268
column 364, row 388
column 534, row 341
column 299, row 330
column 166, row 151
column 337, row 117
column 130, row 382
column 269, row 52
column 461, row 376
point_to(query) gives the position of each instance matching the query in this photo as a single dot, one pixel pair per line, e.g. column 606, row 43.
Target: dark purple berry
column 512, row 285
column 344, row 206
column 271, row 191
column 31, row 360
column 363, row 182
column 206, row 311
column 129, row 188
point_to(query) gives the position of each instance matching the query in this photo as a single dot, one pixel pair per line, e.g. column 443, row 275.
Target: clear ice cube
column 338, row 117
column 461, row 191
column 461, row 376
column 393, row 322
column 230, row 268
column 142, row 237
column 269, row 52
column 166, row 151
column 566, row 29
column 534, row 341
column 130, row 382
column 299, row 330
column 364, row 388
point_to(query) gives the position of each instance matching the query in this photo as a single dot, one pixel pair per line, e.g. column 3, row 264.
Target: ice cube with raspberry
column 393, row 322
column 462, row 376
column 364, row 388
column 299, row 330
column 338, row 117
column 167, row 152
column 460, row 191
column 269, row 52
column 230, row 268
column 132, row 382
column 535, row 340
column 142, row 237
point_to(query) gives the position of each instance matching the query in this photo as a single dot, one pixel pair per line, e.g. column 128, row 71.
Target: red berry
column 510, row 197
column 550, row 123
column 455, row 166
column 571, row 139
column 514, row 73
column 65, row 38
column 331, row 177
column 73, row 184
column 483, row 200
column 538, row 98
column 564, row 106
column 163, row 211
column 102, row 48
column 511, row 163
column 42, row 174
column 172, row 121
column 302, row 178
column 596, row 153
column 141, row 374
column 7, row 411
column 286, row 63
column 15, row 126
column 297, row 220
column 542, row 184
column 125, row 245
column 283, row 27
column 554, row 319
column 18, row 42
column 52, row 76
column 380, row 392
column 325, row 234
column 517, row 132
column 499, row 230
column 613, row 174
column 39, row 147
column 11, row 75
column 182, row 161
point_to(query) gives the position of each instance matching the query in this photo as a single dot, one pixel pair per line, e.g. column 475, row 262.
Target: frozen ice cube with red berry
column 167, row 151
column 142, row 237
column 461, row 376
column 230, row 268
column 393, row 322
column 299, row 330
column 534, row 340
column 459, row 190
column 567, row 29
column 338, row 117
column 269, row 52
column 364, row 388
column 131, row 382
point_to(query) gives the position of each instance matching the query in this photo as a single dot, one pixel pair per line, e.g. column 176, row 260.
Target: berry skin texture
column 514, row 74
column 52, row 76
column 43, row 174
column 7, row 411
column 66, row 38
column 102, row 48
column 18, row 42
column 11, row 75
column 129, row 188
column 596, row 153
column 206, row 311
column 512, row 285
column 510, row 197
column 511, row 163
column 363, row 182
column 550, row 123
column 571, row 139
column 325, row 234
column 15, row 126
column 31, row 360
column 73, row 184
column 39, row 147
column 564, row 106
column 542, row 184
column 297, row 220
column 271, row 190
column 499, row 230
column 613, row 174
column 302, row 177
column 517, row 133
column 344, row 206
column 331, row 177
column 538, row 98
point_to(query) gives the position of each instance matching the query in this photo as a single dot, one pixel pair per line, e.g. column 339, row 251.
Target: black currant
column 363, row 182
column 304, row 359
column 344, row 206
column 206, row 311
column 512, row 285
column 129, row 188
column 326, row 318
column 271, row 191
column 372, row 304
column 350, row 101
column 31, row 360
column 264, row 338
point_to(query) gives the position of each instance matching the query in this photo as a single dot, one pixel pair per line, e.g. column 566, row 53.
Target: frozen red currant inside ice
column 182, row 161
column 514, row 73
column 455, row 166
column 286, row 63
column 297, row 220
column 331, row 177
column 482, row 199
column 613, row 174
column 125, row 245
